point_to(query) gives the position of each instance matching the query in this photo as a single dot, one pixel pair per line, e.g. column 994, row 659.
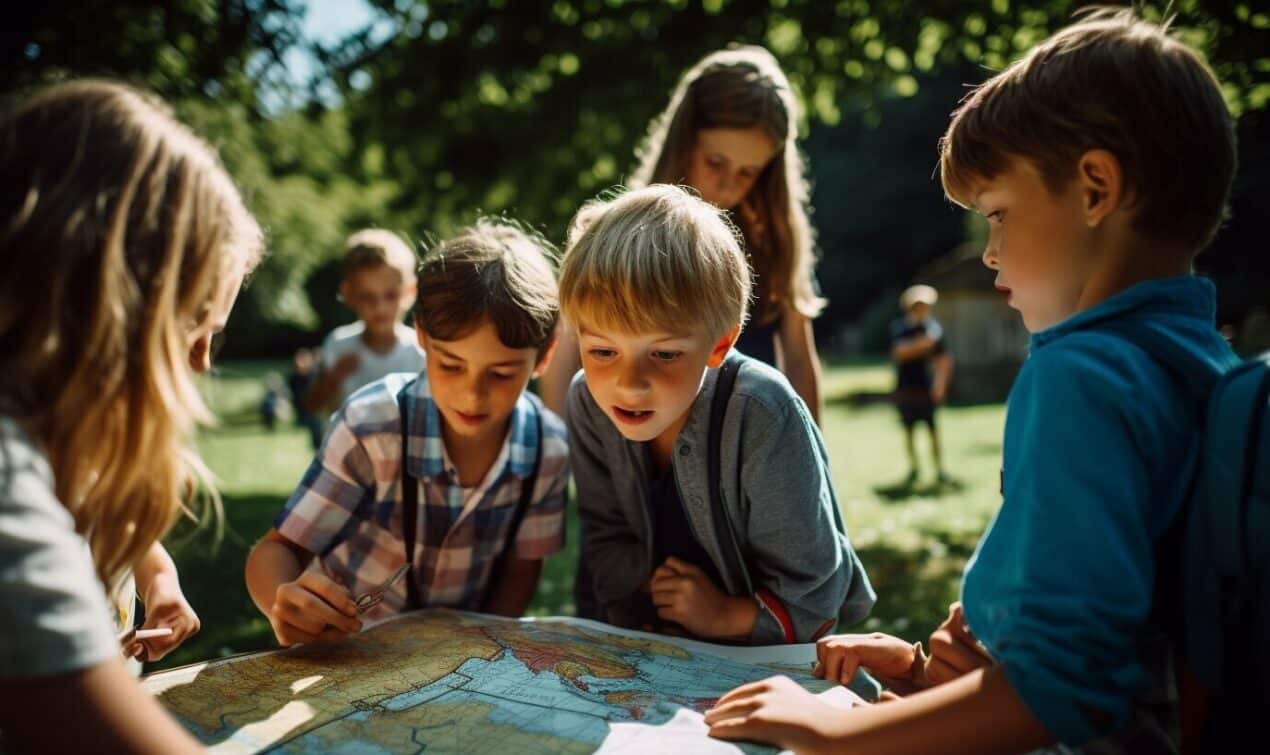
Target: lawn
column 914, row 541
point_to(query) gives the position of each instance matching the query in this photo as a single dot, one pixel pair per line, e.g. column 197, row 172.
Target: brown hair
column 493, row 270
column 1116, row 82
column 656, row 259
column 741, row 88
column 118, row 226
column 373, row 248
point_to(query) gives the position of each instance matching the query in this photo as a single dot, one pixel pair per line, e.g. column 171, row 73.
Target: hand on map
column 682, row 593
column 898, row 664
column 313, row 608
column 166, row 607
column 954, row 651
column 775, row 711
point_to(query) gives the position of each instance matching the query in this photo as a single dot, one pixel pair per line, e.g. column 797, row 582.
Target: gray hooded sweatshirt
column 775, row 484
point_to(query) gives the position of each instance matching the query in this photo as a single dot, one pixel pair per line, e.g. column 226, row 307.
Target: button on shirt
column 347, row 508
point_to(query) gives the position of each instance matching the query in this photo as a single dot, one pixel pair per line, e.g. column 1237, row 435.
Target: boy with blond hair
column 456, row 473
column 377, row 281
column 703, row 486
column 1102, row 161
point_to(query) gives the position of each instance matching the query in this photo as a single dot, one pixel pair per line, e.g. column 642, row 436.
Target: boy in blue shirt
column 1102, row 161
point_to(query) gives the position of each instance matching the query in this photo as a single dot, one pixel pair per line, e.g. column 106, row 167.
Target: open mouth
column 632, row 416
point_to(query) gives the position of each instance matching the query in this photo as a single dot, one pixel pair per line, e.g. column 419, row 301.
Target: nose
column 990, row 256
column 477, row 390
column 631, row 378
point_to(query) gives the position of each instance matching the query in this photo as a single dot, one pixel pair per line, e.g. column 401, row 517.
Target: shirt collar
column 1188, row 296
column 426, row 456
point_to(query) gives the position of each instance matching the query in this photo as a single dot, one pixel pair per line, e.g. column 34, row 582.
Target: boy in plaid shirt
column 486, row 465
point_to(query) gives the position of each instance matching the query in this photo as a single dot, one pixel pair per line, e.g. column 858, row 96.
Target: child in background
column 657, row 286
column 730, row 132
column 303, row 373
column 479, row 501
column 1102, row 161
column 117, row 265
column 377, row 281
column 923, row 368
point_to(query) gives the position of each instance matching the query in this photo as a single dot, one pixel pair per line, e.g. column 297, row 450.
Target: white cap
column 919, row 294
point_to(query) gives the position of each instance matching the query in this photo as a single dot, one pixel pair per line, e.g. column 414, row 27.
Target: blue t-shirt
column 1098, row 438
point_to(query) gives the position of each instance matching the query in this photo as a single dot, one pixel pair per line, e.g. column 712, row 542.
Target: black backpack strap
column 733, row 559
column 409, row 501
column 522, row 505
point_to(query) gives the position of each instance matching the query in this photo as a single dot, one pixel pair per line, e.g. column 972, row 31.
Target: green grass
column 913, row 542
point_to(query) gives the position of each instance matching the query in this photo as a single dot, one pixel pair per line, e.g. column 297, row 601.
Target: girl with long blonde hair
column 730, row 133
column 123, row 244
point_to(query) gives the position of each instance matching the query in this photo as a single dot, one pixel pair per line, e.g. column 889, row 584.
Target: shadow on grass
column 909, row 488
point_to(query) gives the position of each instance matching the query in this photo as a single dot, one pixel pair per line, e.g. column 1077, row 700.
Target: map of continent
column 446, row 681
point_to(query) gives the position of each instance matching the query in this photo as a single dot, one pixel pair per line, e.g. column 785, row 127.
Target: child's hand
column 345, row 365
column 954, row 651
column 166, row 606
column 682, row 593
column 774, row 711
column 313, row 608
column 900, row 663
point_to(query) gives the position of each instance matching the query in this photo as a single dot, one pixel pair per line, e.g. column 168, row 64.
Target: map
column 446, row 681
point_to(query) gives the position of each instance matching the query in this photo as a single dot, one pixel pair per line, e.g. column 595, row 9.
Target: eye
column 601, row 353
column 662, row 355
column 996, row 216
column 451, row 367
column 714, row 162
column 503, row 375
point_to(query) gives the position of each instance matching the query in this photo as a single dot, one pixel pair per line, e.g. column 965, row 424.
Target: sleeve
column 609, row 546
column 542, row 531
column 936, row 333
column 55, row 614
column 338, row 482
column 804, row 568
column 1062, row 583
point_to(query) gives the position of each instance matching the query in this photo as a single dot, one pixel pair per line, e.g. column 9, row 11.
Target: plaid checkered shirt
column 347, row 508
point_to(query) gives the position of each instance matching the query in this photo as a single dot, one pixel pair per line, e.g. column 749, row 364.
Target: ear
column 1102, row 185
column 343, row 291
column 720, row 350
column 545, row 359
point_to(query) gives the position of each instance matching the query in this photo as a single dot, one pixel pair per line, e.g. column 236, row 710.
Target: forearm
column 271, row 563
column 943, row 373
column 155, row 568
column 913, row 348
column 321, row 394
column 515, row 587
column 977, row 713
column 800, row 361
column 737, row 618
column 105, row 706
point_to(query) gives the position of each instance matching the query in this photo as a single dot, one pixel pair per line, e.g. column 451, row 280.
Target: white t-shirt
column 54, row 612
column 406, row 356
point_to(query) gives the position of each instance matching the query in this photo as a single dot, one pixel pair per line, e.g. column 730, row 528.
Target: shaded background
column 418, row 115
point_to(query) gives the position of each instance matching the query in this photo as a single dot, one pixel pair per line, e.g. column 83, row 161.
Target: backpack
column 1213, row 583
column 1225, row 559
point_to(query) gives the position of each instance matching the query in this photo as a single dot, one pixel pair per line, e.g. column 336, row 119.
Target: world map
column 445, row 681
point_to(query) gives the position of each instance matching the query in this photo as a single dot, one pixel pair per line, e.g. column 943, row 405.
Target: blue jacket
column 1099, row 440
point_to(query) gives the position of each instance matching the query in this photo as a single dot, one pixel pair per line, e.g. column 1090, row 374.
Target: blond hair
column 1111, row 81
column 653, row 260
column 372, row 248
column 740, row 88
column 494, row 270
column 118, row 226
